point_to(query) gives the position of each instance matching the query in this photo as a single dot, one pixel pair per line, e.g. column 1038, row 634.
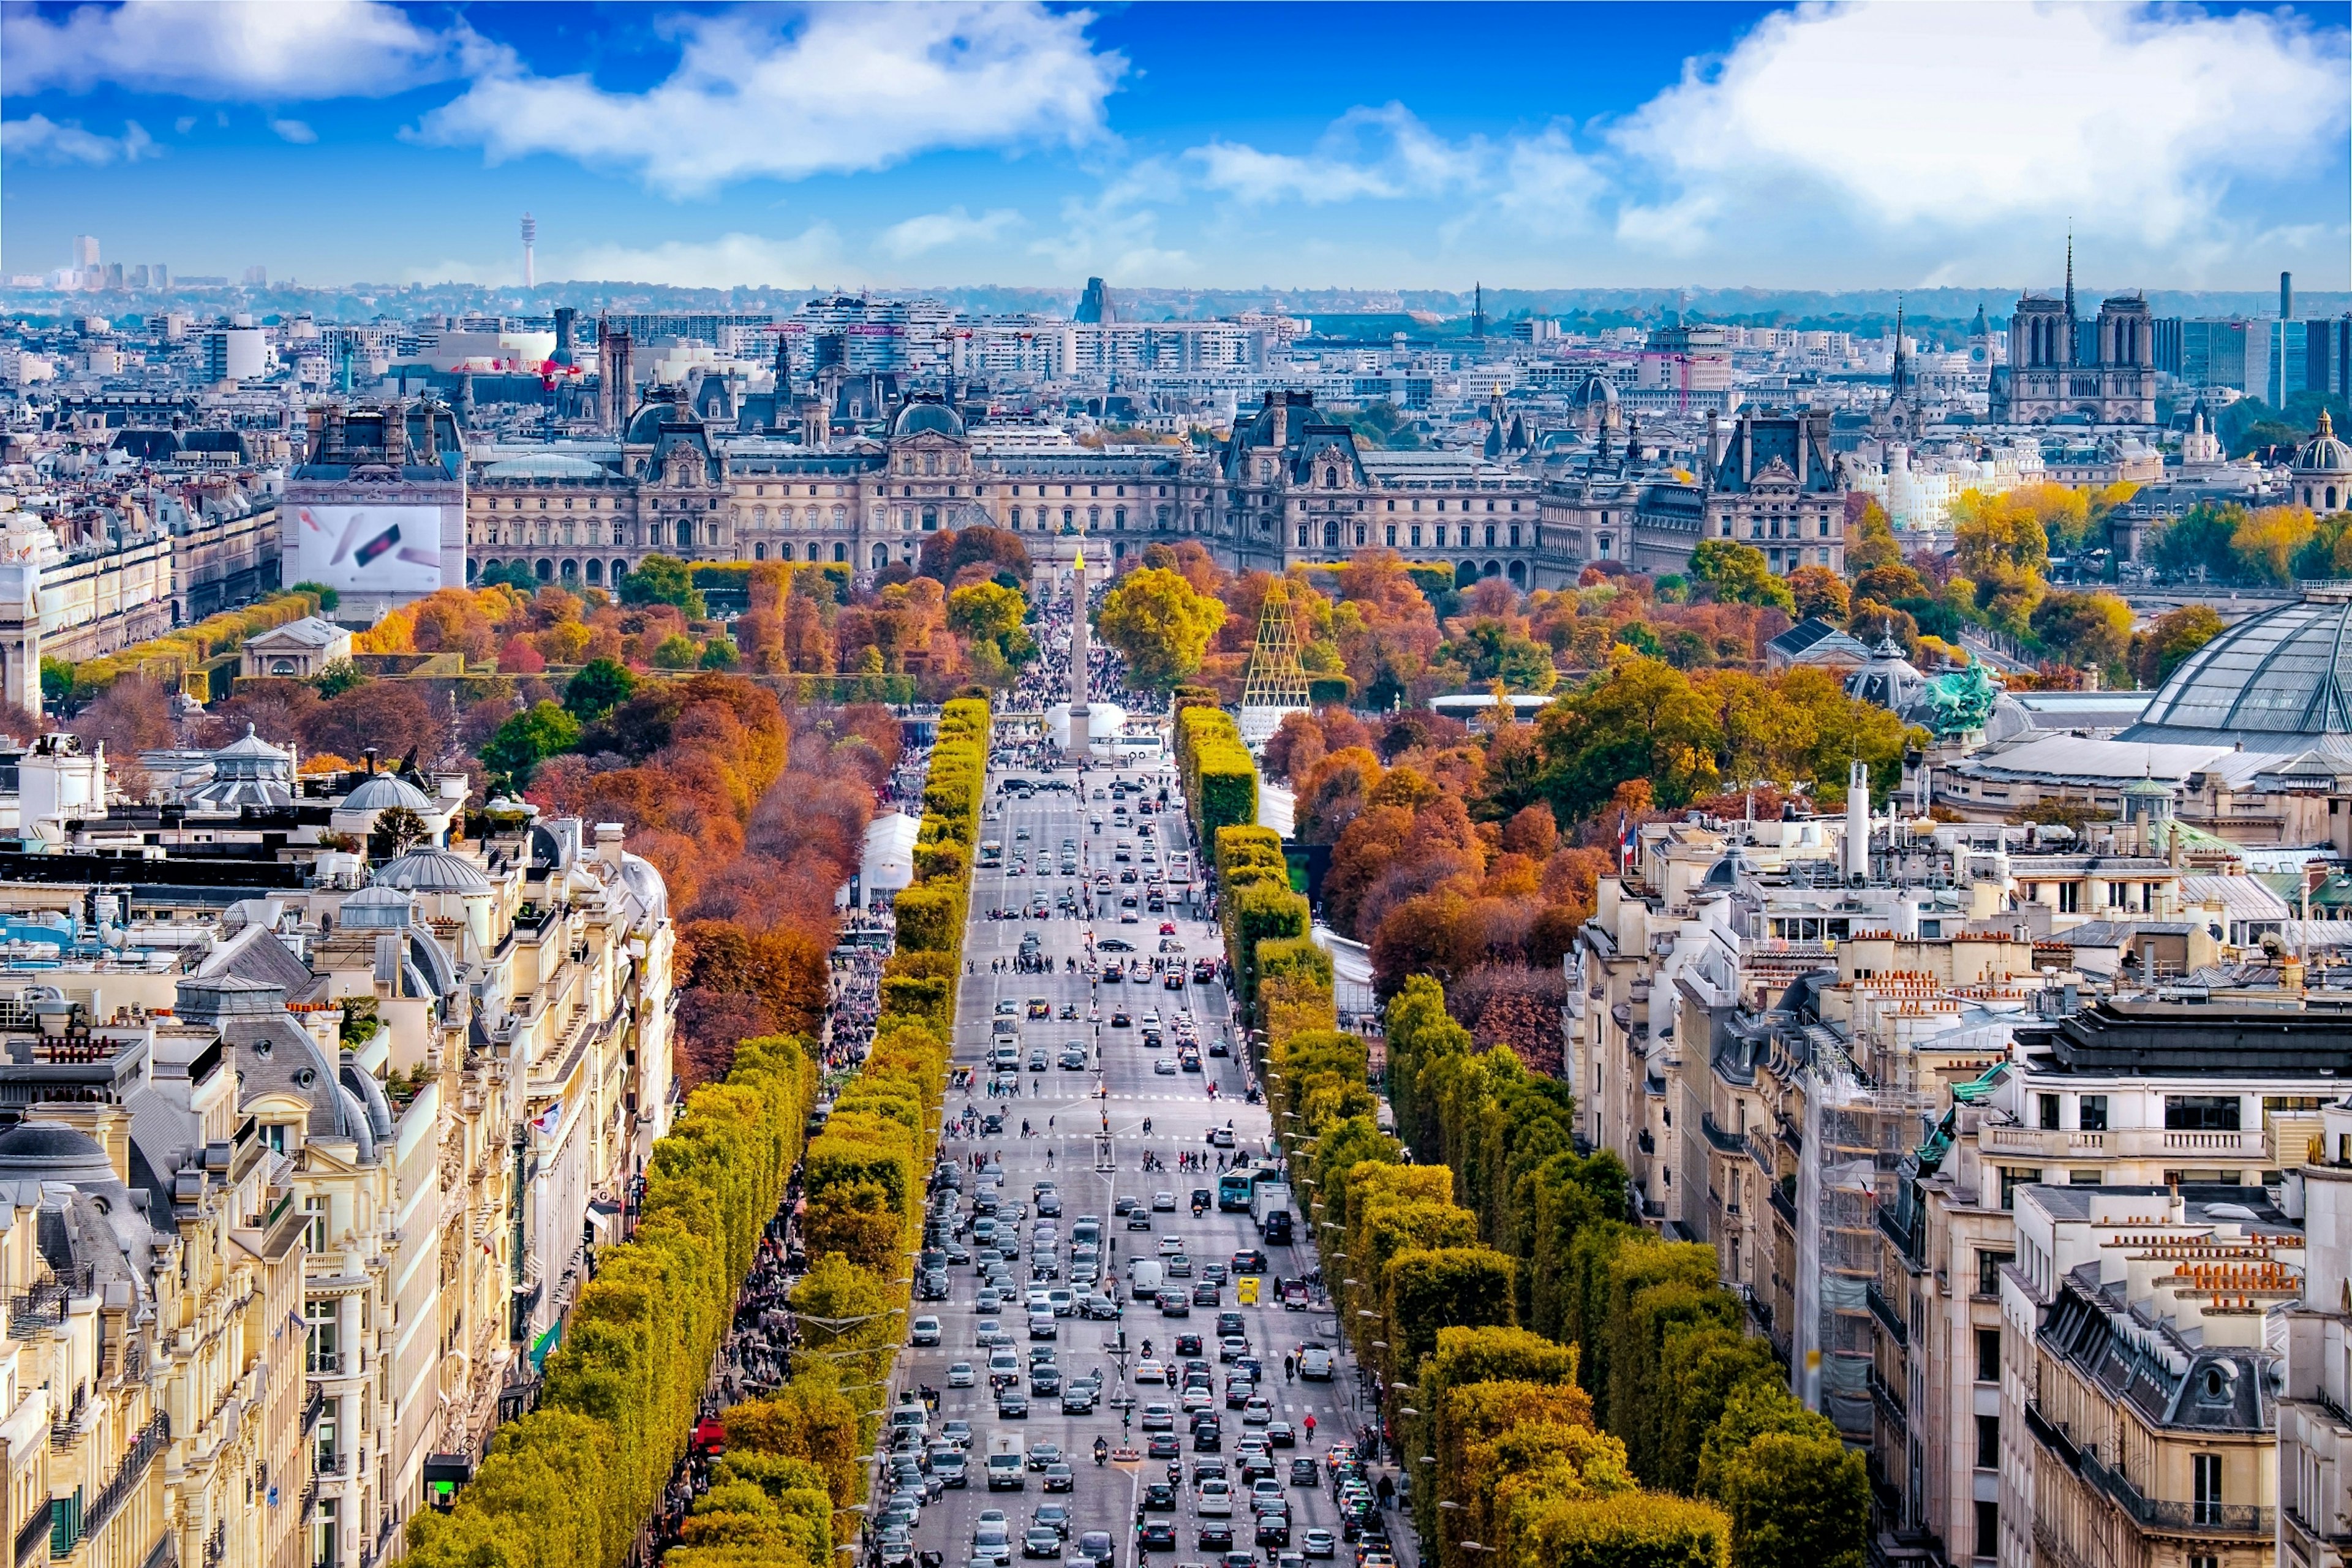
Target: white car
column 1314, row 1363
column 926, row 1331
column 961, row 1375
column 1148, row 1371
column 1215, row 1499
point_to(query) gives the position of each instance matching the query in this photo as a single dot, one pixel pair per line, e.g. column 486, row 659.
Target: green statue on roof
column 1959, row 700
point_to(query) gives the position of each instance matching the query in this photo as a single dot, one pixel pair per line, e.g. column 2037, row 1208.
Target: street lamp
column 1448, row 1504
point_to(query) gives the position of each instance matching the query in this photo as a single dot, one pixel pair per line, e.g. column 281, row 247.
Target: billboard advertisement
column 394, row 549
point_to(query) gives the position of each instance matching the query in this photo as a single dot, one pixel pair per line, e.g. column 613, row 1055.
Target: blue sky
column 1373, row 146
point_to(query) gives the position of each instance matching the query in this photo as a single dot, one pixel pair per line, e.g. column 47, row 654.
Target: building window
column 1987, row 1356
column 1987, row 1528
column 2207, row 1475
column 1515, row 536
column 1391, row 535
column 1416, row 536
column 2201, row 1112
column 1989, row 1263
column 2046, row 1106
column 314, row 1228
column 2091, row 1114
column 1359, row 533
column 1441, row 536
column 1988, row 1442
column 325, row 1346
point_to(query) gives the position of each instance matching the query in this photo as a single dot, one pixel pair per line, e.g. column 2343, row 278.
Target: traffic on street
column 1120, row 1348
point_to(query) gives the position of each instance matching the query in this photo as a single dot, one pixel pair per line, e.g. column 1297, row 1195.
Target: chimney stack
column 2286, row 295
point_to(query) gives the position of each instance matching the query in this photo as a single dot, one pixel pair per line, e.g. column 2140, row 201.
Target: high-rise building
column 1096, row 306
column 85, row 250
column 530, row 239
column 256, row 276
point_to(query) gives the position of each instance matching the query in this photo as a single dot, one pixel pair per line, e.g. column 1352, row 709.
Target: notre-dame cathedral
column 2054, row 374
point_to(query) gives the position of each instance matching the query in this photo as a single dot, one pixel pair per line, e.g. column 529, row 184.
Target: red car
column 1167, row 928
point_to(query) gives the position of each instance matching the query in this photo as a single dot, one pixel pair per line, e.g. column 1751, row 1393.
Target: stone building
column 2053, row 376
column 1289, row 485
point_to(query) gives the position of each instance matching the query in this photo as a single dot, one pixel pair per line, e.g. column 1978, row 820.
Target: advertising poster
column 368, row 549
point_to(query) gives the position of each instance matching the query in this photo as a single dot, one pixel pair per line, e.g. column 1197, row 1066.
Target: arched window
column 817, row 552
column 758, row 552
column 545, row 571
column 1330, row 478
column 1330, row 535
column 881, row 556
column 930, row 463
column 620, row 570
column 931, row 520
column 1518, row 573
column 569, row 572
column 595, row 572
column 1466, row 575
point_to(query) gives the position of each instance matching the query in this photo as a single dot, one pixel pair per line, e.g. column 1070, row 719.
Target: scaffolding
column 1276, row 684
column 1856, row 1133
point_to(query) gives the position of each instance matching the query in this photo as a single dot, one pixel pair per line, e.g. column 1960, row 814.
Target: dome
column 249, row 746
column 1596, row 391
column 432, row 870
column 928, row 418
column 2271, row 683
column 379, row 791
column 377, row 907
column 35, row 1151
column 545, row 466
column 2324, row 454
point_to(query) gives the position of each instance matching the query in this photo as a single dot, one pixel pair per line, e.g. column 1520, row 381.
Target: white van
column 1143, row 1276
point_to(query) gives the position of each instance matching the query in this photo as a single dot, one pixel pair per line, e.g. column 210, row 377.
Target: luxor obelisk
column 1079, row 739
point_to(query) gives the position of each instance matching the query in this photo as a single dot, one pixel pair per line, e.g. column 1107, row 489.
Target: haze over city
column 1396, row 147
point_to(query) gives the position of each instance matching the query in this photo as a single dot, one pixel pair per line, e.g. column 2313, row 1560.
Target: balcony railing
column 2127, row 1142
column 152, row 1439
column 2220, row 1518
column 1725, row 1142
column 33, row 1535
column 1883, row 1310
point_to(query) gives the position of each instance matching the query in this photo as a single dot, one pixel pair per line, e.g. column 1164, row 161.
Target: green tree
column 529, row 739
column 1739, row 574
column 720, row 653
column 601, row 686
column 1870, row 541
column 1159, row 623
column 1796, row 1500
column 513, row 574
column 2198, row 540
column 1641, row 720
column 676, row 651
column 664, row 580
column 56, row 681
column 2176, row 635
column 1489, row 650
column 329, row 598
column 2090, row 631
column 339, row 677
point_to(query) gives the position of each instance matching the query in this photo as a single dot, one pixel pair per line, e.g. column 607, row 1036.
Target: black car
column 1306, row 1472
column 1156, row 1535
column 1174, row 1303
column 1216, row 1535
column 1231, row 1323
column 990, row 1125
column 1248, row 1261
column 1273, row 1529
column 1125, row 1205
column 1012, row 1405
column 1045, row 1382
column 1158, row 1496
column 1061, row 1478
column 1075, row 1402
column 1188, row 1344
column 1207, row 1439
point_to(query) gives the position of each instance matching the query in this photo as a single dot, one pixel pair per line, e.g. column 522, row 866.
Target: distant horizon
column 1855, row 147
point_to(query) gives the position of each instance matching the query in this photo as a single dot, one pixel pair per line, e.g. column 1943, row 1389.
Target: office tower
column 85, row 250
column 2286, row 295
column 530, row 239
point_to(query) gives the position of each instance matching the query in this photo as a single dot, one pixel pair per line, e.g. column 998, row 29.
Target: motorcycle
column 1102, row 1451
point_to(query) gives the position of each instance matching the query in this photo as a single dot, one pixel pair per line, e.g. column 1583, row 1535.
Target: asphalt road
column 1066, row 1110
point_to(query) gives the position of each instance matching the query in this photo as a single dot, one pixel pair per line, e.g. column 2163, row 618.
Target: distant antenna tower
column 530, row 239
column 1276, row 682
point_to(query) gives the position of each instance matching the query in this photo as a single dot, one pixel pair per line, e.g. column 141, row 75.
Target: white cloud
column 1117, row 233
column 847, row 89
column 730, row 261
column 1970, row 117
column 1383, row 153
column 235, row 49
column 185, row 123
column 294, row 130
column 38, row 139
column 938, row 231
column 1548, row 185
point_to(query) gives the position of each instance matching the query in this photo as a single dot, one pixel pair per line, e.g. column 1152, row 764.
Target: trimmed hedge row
column 1220, row 778
column 571, row 1483
column 184, row 650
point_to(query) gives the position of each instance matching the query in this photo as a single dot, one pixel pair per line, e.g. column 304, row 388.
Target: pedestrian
column 1289, row 1362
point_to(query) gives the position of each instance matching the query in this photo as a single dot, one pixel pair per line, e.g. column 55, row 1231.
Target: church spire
column 2068, row 357
column 1898, row 346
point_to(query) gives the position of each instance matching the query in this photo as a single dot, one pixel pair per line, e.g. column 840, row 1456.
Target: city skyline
column 1856, row 148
